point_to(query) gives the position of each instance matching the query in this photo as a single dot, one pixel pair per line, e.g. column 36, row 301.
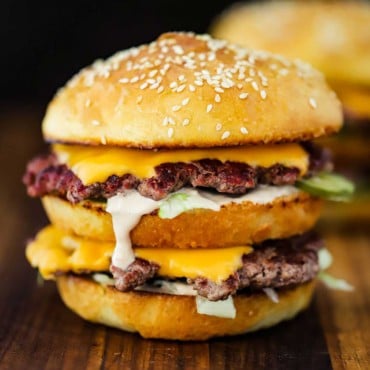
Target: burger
column 182, row 186
column 335, row 37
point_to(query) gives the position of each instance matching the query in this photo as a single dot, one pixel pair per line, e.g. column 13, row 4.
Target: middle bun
column 234, row 224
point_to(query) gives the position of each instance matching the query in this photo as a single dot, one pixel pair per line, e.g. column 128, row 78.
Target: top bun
column 333, row 36
column 184, row 90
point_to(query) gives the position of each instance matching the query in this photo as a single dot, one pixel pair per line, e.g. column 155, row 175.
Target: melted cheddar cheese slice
column 96, row 164
column 53, row 251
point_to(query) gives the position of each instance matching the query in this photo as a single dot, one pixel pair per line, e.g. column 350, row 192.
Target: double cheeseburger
column 335, row 37
column 182, row 186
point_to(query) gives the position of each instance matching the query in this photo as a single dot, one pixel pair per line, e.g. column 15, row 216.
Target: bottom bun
column 164, row 316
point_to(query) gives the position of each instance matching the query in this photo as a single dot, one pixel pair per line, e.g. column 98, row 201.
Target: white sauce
column 168, row 287
column 157, row 286
column 127, row 210
column 261, row 195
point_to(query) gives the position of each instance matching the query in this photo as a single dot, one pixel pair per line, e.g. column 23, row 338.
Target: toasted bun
column 333, row 36
column 234, row 224
column 185, row 90
column 175, row 317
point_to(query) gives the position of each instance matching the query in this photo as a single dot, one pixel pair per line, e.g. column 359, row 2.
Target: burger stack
column 182, row 186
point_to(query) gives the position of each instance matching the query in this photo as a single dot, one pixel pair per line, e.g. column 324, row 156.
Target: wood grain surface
column 38, row 332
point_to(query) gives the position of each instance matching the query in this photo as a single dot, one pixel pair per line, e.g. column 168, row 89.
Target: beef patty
column 44, row 175
column 272, row 264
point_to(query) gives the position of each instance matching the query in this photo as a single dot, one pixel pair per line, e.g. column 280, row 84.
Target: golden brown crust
column 175, row 317
column 333, row 36
column 234, row 224
column 192, row 91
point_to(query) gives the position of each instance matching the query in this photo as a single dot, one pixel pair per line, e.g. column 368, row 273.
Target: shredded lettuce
column 271, row 293
column 224, row 308
column 103, row 279
column 325, row 259
column 329, row 186
column 178, row 203
column 335, row 283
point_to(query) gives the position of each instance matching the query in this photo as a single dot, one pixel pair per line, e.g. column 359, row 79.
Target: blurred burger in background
column 335, row 38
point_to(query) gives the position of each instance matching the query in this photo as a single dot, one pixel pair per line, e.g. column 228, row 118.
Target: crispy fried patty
column 44, row 175
column 272, row 264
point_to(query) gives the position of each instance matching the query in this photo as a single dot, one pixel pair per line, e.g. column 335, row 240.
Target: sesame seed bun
column 334, row 36
column 234, row 224
column 184, row 90
column 175, row 317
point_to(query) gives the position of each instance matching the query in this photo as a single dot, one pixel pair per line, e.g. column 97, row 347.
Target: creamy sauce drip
column 127, row 210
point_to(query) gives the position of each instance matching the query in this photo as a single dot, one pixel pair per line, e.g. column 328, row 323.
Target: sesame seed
column 185, row 122
column 244, row 130
column 181, row 78
column 160, row 89
column 171, row 121
column 209, row 107
column 178, row 49
column 154, row 86
column 153, row 73
column 175, row 108
column 225, row 135
column 243, row 95
column 103, row 140
column 219, row 90
column 123, row 80
column 255, row 86
column 144, row 86
column 218, row 126
column 173, row 84
column 312, row 102
column 95, row 122
column 263, row 94
column 185, row 101
column 198, row 82
column 217, row 98
column 239, row 86
column 227, row 83
column 134, row 79
column 165, row 121
column 283, row 72
column 170, row 132
column 192, row 88
column 252, row 72
column 181, row 88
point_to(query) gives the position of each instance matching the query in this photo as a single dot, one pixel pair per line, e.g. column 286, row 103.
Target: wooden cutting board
column 38, row 332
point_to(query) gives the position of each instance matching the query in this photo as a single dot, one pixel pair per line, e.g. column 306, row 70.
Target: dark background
column 43, row 43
